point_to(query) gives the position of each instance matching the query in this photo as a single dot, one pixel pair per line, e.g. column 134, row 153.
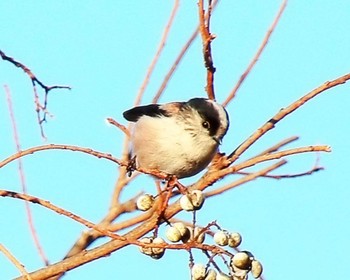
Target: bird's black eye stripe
column 213, row 123
column 208, row 113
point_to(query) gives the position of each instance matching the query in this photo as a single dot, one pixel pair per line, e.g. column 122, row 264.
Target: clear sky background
column 298, row 228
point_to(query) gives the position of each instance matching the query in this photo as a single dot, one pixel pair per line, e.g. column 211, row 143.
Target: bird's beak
column 217, row 140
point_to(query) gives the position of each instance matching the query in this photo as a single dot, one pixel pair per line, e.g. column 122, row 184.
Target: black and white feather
column 178, row 138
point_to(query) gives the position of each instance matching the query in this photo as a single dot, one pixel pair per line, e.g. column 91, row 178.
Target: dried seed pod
column 199, row 236
column 157, row 253
column 221, row 238
column 197, row 198
column 211, row 275
column 182, row 228
column 192, row 201
column 198, row 271
column 186, row 236
column 223, row 276
column 234, row 239
column 239, row 274
column 145, row 202
column 173, row 234
column 146, row 250
column 157, row 256
column 256, row 269
column 241, row 260
column 158, row 240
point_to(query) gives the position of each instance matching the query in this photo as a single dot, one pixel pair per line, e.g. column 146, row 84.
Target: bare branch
column 174, row 66
column 123, row 128
column 248, row 178
column 158, row 53
column 219, row 169
column 23, row 181
column 156, row 173
column 287, row 176
column 276, row 155
column 113, row 245
column 92, row 235
column 61, row 211
column 17, row 264
column 61, row 147
column 279, row 145
column 178, row 60
column 31, row 75
column 207, row 38
column 39, row 107
column 257, row 55
column 283, row 113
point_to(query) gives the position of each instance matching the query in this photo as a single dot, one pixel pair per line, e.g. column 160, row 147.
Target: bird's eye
column 206, row 125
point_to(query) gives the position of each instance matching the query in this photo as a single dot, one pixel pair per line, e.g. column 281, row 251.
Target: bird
column 177, row 138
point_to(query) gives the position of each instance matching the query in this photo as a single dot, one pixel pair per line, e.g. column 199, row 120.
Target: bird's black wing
column 152, row 110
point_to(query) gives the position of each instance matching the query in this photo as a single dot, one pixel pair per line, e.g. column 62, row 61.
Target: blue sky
column 298, row 228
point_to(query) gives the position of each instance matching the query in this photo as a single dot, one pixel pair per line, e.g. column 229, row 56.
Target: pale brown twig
column 257, row 55
column 178, row 60
column 172, row 69
column 158, row 53
column 87, row 238
column 207, row 38
column 123, row 128
column 17, row 264
column 156, row 173
column 61, row 211
column 279, row 145
column 23, row 181
column 276, row 155
column 245, row 179
column 283, row 113
column 287, row 176
column 221, row 168
column 60, row 147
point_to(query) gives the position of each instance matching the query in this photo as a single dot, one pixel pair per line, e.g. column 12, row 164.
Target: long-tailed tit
column 178, row 138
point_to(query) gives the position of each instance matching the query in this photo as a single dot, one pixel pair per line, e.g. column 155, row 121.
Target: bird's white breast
column 161, row 143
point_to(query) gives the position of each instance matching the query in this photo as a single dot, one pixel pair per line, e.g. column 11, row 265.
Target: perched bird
column 178, row 138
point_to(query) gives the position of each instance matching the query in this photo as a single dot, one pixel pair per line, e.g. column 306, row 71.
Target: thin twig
column 158, row 53
column 207, row 38
column 156, row 173
column 17, row 264
column 279, row 145
column 61, row 211
column 257, row 55
column 283, row 113
column 174, row 66
column 221, row 168
column 245, row 179
column 287, row 176
column 178, row 60
column 276, row 155
column 60, row 147
column 87, row 238
column 23, row 180
column 30, row 73
column 39, row 107
column 123, row 128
